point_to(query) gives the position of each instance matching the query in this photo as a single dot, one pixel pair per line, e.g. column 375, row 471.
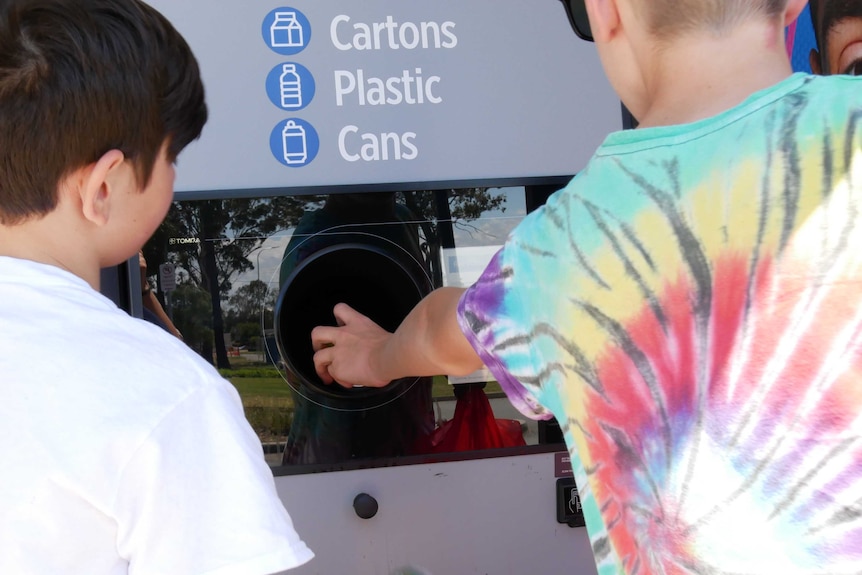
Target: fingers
column 322, row 361
column 323, row 336
column 344, row 314
column 325, row 342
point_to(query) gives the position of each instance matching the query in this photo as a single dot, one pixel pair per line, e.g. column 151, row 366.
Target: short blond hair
column 667, row 18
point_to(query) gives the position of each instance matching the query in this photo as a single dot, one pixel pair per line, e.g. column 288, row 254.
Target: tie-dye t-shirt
column 689, row 308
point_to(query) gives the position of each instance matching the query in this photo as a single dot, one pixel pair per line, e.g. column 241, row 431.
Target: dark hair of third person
column 826, row 13
column 78, row 79
column 813, row 8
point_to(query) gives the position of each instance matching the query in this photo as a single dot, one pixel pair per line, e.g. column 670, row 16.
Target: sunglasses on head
column 577, row 13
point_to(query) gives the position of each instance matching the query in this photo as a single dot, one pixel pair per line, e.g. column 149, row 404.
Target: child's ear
column 793, row 10
column 103, row 179
column 604, row 18
column 814, row 61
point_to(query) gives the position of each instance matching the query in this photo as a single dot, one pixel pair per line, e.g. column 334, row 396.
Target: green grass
column 262, row 389
column 441, row 387
column 267, row 399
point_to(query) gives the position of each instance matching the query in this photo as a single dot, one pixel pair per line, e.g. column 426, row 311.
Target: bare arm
column 428, row 342
column 149, row 300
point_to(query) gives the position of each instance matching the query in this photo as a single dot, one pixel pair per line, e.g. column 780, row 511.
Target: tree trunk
column 211, row 282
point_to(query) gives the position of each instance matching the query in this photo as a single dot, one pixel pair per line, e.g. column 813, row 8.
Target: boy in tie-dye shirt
column 688, row 307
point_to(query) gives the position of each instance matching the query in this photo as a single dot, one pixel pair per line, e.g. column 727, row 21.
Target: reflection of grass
column 268, row 403
column 265, row 397
column 442, row 389
column 256, row 389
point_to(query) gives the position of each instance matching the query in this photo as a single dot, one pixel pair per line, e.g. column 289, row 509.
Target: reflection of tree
column 211, row 241
column 243, row 316
column 245, row 303
column 441, row 210
column 193, row 316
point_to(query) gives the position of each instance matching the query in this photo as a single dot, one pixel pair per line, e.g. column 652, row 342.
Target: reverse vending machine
column 369, row 153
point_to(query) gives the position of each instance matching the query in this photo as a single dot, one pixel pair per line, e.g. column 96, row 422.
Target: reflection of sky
column 493, row 226
column 490, row 229
column 463, row 266
column 269, row 255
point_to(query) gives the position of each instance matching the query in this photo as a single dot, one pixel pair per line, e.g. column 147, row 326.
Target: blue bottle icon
column 290, row 87
column 295, row 144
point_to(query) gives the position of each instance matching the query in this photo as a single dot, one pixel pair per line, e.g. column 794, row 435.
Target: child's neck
column 40, row 241
column 699, row 76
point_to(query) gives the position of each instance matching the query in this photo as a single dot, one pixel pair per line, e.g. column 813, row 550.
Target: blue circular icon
column 290, row 86
column 286, row 31
column 294, row 143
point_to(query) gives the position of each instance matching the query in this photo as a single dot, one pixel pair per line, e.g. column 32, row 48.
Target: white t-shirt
column 121, row 450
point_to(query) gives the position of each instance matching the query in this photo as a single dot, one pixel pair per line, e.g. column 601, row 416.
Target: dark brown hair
column 79, row 78
column 814, row 10
column 833, row 12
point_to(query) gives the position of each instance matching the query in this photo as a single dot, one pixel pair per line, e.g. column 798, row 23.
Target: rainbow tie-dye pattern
column 690, row 309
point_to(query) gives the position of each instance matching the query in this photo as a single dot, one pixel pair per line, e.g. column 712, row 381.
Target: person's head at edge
column 838, row 33
column 97, row 99
column 651, row 49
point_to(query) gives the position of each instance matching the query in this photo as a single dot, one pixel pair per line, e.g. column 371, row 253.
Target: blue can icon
column 294, row 142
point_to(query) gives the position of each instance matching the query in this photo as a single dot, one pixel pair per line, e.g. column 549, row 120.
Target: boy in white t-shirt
column 123, row 452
